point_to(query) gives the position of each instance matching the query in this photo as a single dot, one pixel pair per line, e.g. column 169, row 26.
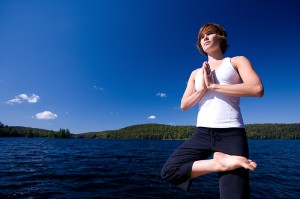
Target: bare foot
column 231, row 162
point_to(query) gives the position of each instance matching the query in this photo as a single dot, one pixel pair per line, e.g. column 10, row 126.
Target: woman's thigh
column 232, row 141
column 197, row 147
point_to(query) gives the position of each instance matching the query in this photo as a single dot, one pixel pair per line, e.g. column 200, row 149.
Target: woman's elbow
column 184, row 109
column 259, row 91
column 183, row 106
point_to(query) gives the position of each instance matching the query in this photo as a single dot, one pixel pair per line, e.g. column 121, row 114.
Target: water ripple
column 90, row 168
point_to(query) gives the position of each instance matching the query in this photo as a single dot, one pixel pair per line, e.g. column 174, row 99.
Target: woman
column 217, row 88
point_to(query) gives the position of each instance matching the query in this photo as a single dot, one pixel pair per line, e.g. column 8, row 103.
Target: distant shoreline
column 154, row 132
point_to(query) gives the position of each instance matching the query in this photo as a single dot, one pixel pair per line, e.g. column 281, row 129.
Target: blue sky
column 103, row 65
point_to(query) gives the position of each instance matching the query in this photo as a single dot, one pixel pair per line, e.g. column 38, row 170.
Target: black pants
column 203, row 143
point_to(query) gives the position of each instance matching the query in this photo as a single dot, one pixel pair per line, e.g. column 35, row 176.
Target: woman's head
column 215, row 28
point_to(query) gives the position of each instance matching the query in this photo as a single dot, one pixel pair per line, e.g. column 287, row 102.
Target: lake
column 95, row 168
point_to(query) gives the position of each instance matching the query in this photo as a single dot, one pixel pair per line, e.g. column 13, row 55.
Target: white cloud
column 98, row 88
column 113, row 112
column 24, row 98
column 14, row 101
column 46, row 115
column 152, row 117
column 161, row 94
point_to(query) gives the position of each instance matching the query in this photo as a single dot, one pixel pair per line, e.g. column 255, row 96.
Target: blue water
column 93, row 168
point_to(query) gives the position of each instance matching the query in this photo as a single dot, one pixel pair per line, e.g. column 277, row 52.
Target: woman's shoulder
column 195, row 72
column 238, row 58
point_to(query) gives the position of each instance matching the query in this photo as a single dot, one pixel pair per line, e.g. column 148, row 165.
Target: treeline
column 154, row 131
column 273, row 131
column 144, row 131
column 18, row 131
column 161, row 131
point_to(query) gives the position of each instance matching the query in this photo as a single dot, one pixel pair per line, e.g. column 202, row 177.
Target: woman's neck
column 216, row 57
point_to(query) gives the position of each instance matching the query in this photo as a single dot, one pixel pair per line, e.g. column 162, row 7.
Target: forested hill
column 154, row 131
column 144, row 131
column 19, row 131
column 161, row 131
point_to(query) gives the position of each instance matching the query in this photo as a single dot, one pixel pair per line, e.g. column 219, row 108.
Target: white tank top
column 217, row 110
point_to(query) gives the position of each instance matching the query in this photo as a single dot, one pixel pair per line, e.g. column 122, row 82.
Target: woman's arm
column 251, row 85
column 190, row 96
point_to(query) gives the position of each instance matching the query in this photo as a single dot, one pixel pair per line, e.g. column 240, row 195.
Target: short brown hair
column 219, row 30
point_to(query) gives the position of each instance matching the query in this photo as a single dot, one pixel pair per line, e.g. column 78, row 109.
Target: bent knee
column 168, row 173
column 175, row 174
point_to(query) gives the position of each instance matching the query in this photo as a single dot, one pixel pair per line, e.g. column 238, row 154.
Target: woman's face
column 210, row 41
